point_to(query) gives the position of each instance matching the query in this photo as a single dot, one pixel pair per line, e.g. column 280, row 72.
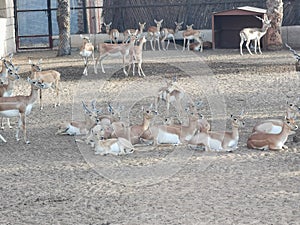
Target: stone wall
column 7, row 24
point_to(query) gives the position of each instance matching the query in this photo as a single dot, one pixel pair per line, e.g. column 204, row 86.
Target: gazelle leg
column 258, row 43
column 2, row 138
column 41, row 101
column 241, row 46
column 174, row 43
column 247, row 45
column 255, row 46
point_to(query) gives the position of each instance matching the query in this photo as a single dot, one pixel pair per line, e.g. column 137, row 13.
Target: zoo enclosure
column 38, row 27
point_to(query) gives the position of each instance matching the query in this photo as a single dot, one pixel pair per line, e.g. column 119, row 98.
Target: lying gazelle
column 114, row 146
column 114, row 50
column 274, row 126
column 50, row 78
column 79, row 127
column 173, row 134
column 168, row 33
column 128, row 32
column 136, row 56
column 268, row 141
column 195, row 46
column 172, row 93
column 154, row 34
column 20, row 106
column 113, row 33
column 8, row 76
column 133, row 133
column 191, row 34
column 219, row 140
column 86, row 51
column 254, row 34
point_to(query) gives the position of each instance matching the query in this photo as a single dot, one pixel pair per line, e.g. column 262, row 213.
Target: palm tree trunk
column 275, row 14
column 63, row 21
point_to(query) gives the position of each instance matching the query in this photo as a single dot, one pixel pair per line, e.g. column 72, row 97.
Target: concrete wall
column 7, row 24
column 291, row 36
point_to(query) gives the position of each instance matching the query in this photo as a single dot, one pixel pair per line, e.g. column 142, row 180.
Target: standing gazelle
column 20, row 106
column 113, row 33
column 50, row 78
column 86, row 51
column 255, row 34
column 154, row 34
column 168, row 34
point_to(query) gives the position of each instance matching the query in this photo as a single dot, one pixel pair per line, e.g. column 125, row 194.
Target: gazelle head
column 237, row 121
column 291, row 124
column 158, row 23
column 189, row 27
column 89, row 114
column 107, row 27
column 178, row 26
column 36, row 83
column 35, row 66
column 116, row 112
column 292, row 110
column 265, row 20
column 85, row 39
column 142, row 26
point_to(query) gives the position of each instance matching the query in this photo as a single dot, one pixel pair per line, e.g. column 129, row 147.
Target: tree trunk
column 63, row 21
column 275, row 14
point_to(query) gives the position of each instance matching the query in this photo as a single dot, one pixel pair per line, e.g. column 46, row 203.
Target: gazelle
column 128, row 32
column 114, row 50
column 8, row 76
column 265, row 141
column 20, row 106
column 168, row 34
column 113, row 33
column 154, row 34
column 114, row 146
column 86, row 51
column 196, row 46
column 191, row 34
column 171, row 93
column 50, row 78
column 172, row 134
column 79, row 127
column 133, row 133
column 219, row 140
column 255, row 34
column 136, row 56
column 274, row 126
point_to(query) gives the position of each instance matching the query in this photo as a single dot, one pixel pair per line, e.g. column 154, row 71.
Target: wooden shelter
column 226, row 25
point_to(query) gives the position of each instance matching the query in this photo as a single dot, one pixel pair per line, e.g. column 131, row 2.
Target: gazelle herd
column 106, row 133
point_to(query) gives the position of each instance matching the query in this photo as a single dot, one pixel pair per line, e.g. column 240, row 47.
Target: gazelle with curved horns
column 87, row 51
column 50, row 78
column 168, row 33
column 21, row 106
column 113, row 33
column 268, row 141
column 154, row 34
column 254, row 34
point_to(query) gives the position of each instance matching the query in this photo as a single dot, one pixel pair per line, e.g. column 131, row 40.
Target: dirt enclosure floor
column 54, row 180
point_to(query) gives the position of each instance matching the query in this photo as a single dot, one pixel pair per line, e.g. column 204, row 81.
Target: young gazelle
column 219, row 140
column 86, row 51
column 133, row 133
column 114, row 50
column 113, row 33
column 20, row 106
column 173, row 134
column 136, row 56
column 50, row 78
column 79, row 127
column 171, row 93
column 8, row 76
column 274, row 126
column 265, row 141
column 154, row 34
column 114, row 146
column 168, row 34
column 191, row 34
column 128, row 32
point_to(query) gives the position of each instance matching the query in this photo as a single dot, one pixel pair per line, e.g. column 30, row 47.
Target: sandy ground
column 53, row 180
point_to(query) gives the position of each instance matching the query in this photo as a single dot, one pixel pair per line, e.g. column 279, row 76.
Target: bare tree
column 63, row 21
column 275, row 14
